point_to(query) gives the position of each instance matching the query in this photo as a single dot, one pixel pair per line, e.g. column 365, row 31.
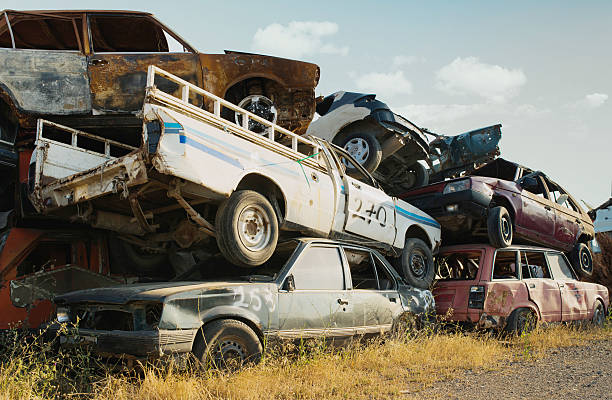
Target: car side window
column 319, row 268
column 533, row 265
column 559, row 267
column 42, row 32
column 363, row 274
column 559, row 196
column 504, row 266
column 130, row 34
column 385, row 280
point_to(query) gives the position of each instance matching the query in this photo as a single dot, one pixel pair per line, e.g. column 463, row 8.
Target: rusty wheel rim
column 254, row 228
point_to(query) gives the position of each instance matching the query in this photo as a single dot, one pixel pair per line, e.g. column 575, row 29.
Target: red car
column 509, row 287
column 505, row 201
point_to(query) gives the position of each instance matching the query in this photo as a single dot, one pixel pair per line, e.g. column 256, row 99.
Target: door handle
column 97, row 61
column 547, row 208
column 532, row 285
column 392, row 299
column 561, row 285
column 342, row 302
column 357, row 186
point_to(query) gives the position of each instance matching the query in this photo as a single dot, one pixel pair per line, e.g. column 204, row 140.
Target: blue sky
column 542, row 69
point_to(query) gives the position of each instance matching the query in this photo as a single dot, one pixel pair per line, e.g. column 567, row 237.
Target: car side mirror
column 530, row 184
column 289, row 284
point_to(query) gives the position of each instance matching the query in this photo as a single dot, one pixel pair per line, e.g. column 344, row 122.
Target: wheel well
column 256, row 85
column 416, row 231
column 359, row 126
column 267, row 188
column 502, row 201
column 246, row 321
column 584, row 238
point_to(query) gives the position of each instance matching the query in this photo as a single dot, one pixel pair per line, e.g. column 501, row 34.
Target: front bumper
column 134, row 343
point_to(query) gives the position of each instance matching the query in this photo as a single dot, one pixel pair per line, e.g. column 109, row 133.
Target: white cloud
column 592, row 100
column 297, row 39
column 401, row 60
column 384, row 84
column 470, row 76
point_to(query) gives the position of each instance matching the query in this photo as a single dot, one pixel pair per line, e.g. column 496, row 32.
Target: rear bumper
column 135, row 343
column 453, row 209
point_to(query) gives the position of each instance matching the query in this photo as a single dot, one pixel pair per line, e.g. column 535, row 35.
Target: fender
column 264, row 176
column 232, row 312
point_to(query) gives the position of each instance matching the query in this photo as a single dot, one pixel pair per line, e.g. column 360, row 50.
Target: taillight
column 477, row 297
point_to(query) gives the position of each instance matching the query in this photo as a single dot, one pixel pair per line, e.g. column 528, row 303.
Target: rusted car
column 310, row 288
column 87, row 69
column 505, row 201
column 513, row 288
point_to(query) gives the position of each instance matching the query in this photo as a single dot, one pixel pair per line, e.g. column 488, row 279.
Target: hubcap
column 585, row 260
column 359, row 149
column 418, row 265
column 506, row 229
column 254, row 228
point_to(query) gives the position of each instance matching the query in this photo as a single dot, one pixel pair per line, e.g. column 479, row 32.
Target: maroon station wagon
column 502, row 288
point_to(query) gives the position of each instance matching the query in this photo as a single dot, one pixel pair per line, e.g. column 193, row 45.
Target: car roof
column 53, row 12
column 480, row 246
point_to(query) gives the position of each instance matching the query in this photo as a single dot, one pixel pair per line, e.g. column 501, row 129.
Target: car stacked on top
column 502, row 284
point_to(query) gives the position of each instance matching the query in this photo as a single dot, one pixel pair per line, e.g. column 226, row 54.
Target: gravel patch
column 580, row 372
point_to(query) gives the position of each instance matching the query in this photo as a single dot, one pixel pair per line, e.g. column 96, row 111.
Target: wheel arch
column 267, row 187
column 237, row 315
column 350, row 126
column 8, row 101
column 500, row 200
column 528, row 306
column 416, row 231
column 256, row 75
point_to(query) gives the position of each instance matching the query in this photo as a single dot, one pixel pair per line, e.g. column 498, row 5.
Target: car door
column 374, row 292
column 505, row 290
column 314, row 300
column 123, row 46
column 567, row 218
column 537, row 214
column 42, row 64
column 574, row 304
column 543, row 290
column 370, row 212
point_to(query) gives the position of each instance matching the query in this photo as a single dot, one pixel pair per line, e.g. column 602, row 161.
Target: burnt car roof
column 58, row 12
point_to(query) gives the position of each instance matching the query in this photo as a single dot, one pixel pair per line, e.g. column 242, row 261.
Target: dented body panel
column 271, row 308
column 551, row 298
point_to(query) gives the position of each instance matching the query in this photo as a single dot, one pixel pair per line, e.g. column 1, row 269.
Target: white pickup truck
column 194, row 167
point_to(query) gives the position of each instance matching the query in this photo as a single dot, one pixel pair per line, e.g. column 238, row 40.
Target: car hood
column 146, row 292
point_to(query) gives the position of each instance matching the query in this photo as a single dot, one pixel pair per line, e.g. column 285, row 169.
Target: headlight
column 456, row 186
column 62, row 314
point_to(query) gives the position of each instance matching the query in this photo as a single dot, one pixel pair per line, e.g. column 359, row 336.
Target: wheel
column 365, row 149
column 420, row 174
column 521, row 321
column 126, row 257
column 260, row 106
column 599, row 314
column 227, row 344
column 247, row 229
column 582, row 259
column 499, row 227
column 416, row 263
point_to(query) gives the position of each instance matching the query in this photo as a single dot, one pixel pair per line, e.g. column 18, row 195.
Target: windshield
column 217, row 268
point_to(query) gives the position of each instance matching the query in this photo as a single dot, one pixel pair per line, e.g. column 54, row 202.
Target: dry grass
column 381, row 369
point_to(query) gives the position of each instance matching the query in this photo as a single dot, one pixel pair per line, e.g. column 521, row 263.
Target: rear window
column 504, row 266
column 41, row 32
column 459, row 266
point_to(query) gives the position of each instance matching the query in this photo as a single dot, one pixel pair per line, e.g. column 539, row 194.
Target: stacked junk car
column 161, row 200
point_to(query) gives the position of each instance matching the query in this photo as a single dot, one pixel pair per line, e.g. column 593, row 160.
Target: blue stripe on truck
column 418, row 218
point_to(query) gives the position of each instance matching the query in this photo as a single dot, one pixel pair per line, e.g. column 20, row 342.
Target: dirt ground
column 583, row 372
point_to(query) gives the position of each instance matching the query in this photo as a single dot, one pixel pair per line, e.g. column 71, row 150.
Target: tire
column 247, row 229
column 126, row 257
column 499, row 227
column 420, row 173
column 599, row 315
column 365, row 149
column 582, row 259
column 416, row 264
column 521, row 321
column 227, row 344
